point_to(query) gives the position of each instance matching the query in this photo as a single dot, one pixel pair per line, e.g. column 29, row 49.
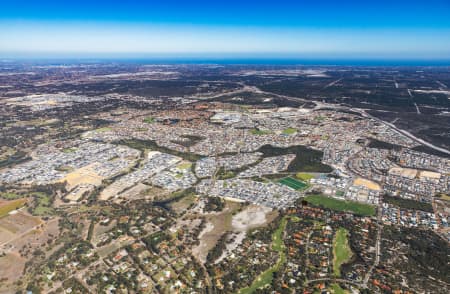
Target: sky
column 281, row 29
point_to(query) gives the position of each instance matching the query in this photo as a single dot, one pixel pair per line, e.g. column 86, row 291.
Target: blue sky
column 316, row 29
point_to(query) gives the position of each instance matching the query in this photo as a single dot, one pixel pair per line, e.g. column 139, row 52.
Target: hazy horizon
column 404, row 30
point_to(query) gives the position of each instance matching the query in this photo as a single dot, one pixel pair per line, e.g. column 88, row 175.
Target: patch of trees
column 217, row 251
column 427, row 253
column 214, row 204
column 306, row 159
column 153, row 240
column 408, row 203
column 152, row 145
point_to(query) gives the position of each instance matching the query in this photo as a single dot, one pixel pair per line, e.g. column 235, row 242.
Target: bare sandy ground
column 252, row 216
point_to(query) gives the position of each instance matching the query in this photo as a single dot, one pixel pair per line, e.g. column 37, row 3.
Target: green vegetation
column 104, row 129
column 10, row 196
column 407, row 203
column 267, row 276
column 444, row 197
column 9, row 206
column 306, row 159
column 289, row 131
column 341, row 250
column 336, row 289
column 64, row 168
column 189, row 140
column 304, row 176
column 186, row 165
column 341, row 205
column 149, row 120
column 374, row 143
column 174, row 197
column 42, row 204
column 151, row 145
column 223, row 174
column 153, row 240
column 293, row 183
column 214, row 204
column 259, row 132
column 320, row 118
column 16, row 158
column 70, row 150
column 340, row 193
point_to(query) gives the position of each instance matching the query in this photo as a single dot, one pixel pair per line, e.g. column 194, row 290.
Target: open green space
column 293, row 183
column 289, row 131
column 10, row 195
column 304, row 176
column 267, row 276
column 70, row 150
column 149, row 120
column 42, row 205
column 104, row 129
column 9, row 206
column 186, row 165
column 341, row 205
column 341, row 250
column 259, row 132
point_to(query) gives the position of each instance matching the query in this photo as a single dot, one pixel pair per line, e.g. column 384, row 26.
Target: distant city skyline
column 253, row 29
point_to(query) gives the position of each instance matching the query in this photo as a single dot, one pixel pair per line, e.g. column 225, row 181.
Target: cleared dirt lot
column 11, row 268
column 84, row 175
column 217, row 224
column 16, row 224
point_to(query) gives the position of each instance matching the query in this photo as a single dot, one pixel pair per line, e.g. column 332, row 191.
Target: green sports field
column 293, row 183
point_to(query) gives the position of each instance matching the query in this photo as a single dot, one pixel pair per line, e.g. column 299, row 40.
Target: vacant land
column 340, row 205
column 181, row 205
column 14, row 225
column 366, row 183
column 341, row 251
column 84, row 175
column 217, row 224
column 11, row 268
